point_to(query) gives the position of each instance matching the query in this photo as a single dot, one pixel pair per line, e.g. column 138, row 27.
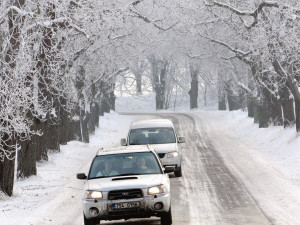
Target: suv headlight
column 172, row 154
column 93, row 194
column 156, row 190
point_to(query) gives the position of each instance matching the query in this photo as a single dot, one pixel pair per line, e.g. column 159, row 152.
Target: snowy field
column 35, row 196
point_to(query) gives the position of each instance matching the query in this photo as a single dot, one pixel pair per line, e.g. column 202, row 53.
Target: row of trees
column 262, row 40
column 59, row 62
column 50, row 93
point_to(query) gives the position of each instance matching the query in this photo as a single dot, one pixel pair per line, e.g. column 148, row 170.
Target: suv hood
column 164, row 148
column 126, row 182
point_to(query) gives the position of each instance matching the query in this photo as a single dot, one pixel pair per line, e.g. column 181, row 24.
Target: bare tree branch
column 253, row 13
column 138, row 15
column 239, row 53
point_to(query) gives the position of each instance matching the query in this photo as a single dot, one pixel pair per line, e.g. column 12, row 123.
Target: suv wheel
column 178, row 172
column 92, row 221
column 166, row 218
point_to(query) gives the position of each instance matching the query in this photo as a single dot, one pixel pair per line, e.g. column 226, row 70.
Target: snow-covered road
column 224, row 181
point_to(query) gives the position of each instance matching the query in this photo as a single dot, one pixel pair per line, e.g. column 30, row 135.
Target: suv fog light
column 94, row 211
column 158, row 206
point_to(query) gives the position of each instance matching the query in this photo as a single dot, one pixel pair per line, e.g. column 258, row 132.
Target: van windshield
column 146, row 136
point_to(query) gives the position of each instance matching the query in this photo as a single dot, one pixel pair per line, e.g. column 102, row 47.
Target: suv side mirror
column 81, row 176
column 181, row 139
column 123, row 142
column 169, row 169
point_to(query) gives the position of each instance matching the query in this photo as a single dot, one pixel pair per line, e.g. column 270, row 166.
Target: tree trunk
column 138, row 78
column 26, row 159
column 222, row 103
column 84, row 118
column 297, row 110
column 159, row 73
column 39, row 142
column 112, row 100
column 250, row 106
column 288, row 110
column 159, row 97
column 274, row 109
column 263, row 113
column 232, row 99
column 92, row 120
column 7, row 168
column 52, row 138
column 97, row 112
column 107, row 98
column 255, row 110
column 193, row 92
column 64, row 125
column 221, row 98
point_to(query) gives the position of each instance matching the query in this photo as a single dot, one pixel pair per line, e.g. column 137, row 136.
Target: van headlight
column 172, row 154
column 93, row 194
column 156, row 190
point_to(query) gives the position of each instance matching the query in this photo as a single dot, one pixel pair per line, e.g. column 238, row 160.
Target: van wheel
column 178, row 172
column 166, row 218
column 92, row 221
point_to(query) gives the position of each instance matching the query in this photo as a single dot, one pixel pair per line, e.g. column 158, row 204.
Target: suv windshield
column 151, row 136
column 124, row 164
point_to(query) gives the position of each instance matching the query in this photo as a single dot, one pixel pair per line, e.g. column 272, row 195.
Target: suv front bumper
column 146, row 207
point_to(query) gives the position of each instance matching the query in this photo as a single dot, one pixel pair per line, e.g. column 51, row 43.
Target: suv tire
column 92, row 221
column 178, row 172
column 166, row 218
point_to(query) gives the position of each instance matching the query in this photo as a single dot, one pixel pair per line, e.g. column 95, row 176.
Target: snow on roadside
column 280, row 146
column 32, row 195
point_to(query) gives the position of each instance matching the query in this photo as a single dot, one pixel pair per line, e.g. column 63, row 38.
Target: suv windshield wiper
column 129, row 174
column 119, row 175
column 91, row 178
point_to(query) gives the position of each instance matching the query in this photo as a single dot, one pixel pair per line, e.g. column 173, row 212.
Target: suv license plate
column 126, row 205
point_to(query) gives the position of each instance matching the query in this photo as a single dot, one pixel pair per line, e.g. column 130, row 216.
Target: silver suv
column 124, row 183
column 161, row 135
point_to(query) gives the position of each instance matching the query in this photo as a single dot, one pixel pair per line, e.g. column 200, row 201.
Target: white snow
column 37, row 196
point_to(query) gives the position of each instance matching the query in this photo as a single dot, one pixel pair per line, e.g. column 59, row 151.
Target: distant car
column 161, row 135
column 126, row 182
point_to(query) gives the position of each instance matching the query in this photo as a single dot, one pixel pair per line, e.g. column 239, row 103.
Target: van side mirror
column 123, row 142
column 169, row 169
column 181, row 139
column 81, row 176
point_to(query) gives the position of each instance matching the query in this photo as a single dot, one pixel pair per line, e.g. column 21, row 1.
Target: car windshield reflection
column 151, row 136
column 124, row 165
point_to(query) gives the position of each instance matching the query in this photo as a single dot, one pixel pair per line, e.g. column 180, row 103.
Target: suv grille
column 161, row 155
column 125, row 194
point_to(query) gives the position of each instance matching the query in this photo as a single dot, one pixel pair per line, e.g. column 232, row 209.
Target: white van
column 161, row 135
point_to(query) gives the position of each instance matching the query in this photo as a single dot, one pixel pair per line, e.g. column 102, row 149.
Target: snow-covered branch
column 120, row 36
column 17, row 10
column 253, row 13
column 144, row 18
column 63, row 22
column 239, row 53
column 106, row 78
